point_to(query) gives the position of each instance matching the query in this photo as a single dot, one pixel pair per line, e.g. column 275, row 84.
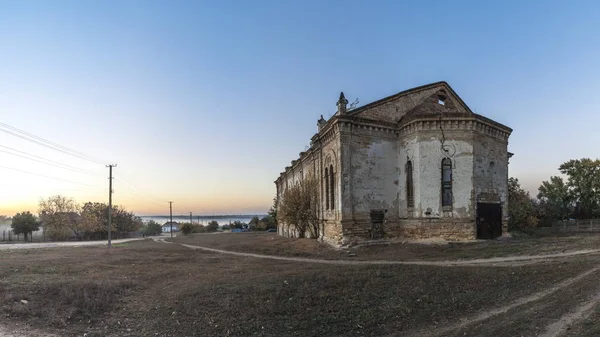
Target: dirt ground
column 272, row 244
column 149, row 288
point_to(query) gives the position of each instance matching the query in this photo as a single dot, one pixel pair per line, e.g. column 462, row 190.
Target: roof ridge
column 399, row 94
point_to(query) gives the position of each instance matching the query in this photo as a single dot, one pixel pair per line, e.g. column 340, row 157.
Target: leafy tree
column 60, row 216
column 152, row 228
column 299, row 207
column 94, row 220
column 187, row 228
column 24, row 223
column 254, row 222
column 212, row 226
column 268, row 222
column 584, row 184
column 237, row 224
column 556, row 200
column 199, row 229
column 522, row 208
column 4, row 219
column 273, row 210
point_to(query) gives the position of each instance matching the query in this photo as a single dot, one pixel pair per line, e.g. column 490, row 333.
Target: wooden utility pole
column 110, row 192
column 171, row 212
column 191, row 220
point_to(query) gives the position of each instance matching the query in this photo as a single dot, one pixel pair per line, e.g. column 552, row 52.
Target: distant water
column 221, row 219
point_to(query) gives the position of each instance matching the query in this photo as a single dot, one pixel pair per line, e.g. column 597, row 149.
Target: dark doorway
column 489, row 220
column 377, row 218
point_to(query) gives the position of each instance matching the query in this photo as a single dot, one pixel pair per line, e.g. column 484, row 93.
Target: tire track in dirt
column 6, row 332
column 553, row 330
column 465, row 322
column 507, row 261
column 582, row 312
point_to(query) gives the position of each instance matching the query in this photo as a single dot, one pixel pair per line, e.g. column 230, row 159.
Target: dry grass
column 147, row 288
column 272, row 244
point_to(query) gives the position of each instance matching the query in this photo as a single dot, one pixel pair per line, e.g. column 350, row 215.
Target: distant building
column 417, row 164
column 166, row 228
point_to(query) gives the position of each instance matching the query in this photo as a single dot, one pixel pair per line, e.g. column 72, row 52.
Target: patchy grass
column 272, row 244
column 158, row 289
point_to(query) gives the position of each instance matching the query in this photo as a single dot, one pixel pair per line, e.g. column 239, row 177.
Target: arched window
column 446, row 182
column 326, row 188
column 410, row 196
column 332, row 186
column 492, row 173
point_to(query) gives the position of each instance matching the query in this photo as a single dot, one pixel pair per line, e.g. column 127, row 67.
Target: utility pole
column 171, row 212
column 191, row 221
column 110, row 192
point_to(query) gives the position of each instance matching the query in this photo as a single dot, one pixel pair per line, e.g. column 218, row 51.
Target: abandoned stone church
column 417, row 164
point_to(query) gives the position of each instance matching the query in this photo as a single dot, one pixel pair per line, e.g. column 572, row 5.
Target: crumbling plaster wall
column 429, row 166
column 374, row 175
column 490, row 172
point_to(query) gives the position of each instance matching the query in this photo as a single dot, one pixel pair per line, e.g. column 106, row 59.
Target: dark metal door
column 489, row 220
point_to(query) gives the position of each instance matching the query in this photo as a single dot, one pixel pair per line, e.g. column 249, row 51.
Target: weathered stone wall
column 332, row 232
column 490, row 173
column 408, row 150
column 445, row 228
column 374, row 175
column 429, row 166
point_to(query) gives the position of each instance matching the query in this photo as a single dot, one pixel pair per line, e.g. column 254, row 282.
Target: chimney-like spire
column 320, row 123
column 342, row 104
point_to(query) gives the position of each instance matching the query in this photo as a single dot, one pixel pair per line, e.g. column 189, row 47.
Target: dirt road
column 495, row 261
column 36, row 245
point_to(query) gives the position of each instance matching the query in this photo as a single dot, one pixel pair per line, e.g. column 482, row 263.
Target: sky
column 204, row 103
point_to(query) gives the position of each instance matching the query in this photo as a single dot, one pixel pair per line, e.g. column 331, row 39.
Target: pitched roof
column 399, row 104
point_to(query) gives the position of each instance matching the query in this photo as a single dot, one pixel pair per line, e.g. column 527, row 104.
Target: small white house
column 166, row 228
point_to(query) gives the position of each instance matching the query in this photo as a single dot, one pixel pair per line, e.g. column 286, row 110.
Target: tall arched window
column 492, row 173
column 446, row 182
column 410, row 196
column 326, row 188
column 332, row 186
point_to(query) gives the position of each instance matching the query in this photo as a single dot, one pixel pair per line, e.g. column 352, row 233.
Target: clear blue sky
column 205, row 102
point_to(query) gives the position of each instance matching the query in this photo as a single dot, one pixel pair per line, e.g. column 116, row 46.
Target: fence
column 7, row 235
column 578, row 225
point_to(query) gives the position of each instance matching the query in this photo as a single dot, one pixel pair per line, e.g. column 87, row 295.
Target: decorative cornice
column 467, row 123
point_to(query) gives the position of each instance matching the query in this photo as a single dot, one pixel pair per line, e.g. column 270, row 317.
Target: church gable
column 432, row 98
column 442, row 101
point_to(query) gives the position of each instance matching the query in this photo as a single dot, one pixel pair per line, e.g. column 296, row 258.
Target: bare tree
column 299, row 207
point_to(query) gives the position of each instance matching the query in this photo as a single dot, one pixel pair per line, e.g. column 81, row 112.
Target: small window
column 326, row 188
column 441, row 100
column 410, row 198
column 446, row 182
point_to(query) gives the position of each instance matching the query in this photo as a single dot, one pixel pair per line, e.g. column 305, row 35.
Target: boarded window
column 326, row 188
column 410, row 196
column 446, row 182
column 332, row 186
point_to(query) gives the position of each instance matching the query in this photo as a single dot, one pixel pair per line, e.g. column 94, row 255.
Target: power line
column 139, row 194
column 44, row 160
column 44, row 142
column 135, row 186
column 45, row 176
